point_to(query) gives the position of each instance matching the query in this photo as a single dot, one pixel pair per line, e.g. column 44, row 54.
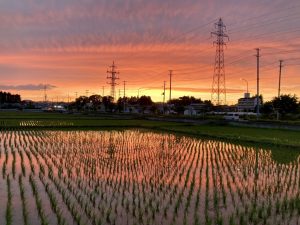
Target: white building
column 247, row 104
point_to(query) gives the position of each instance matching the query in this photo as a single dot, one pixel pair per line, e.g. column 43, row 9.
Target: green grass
column 261, row 135
column 64, row 121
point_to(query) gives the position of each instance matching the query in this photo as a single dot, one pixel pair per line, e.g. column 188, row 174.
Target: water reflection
column 143, row 177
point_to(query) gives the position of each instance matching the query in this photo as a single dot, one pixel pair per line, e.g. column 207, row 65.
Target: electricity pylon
column 218, row 95
column 113, row 76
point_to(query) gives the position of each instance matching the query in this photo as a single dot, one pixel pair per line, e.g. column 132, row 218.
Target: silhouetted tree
column 181, row 102
column 95, row 100
column 133, row 100
column 6, row 97
column 121, row 102
column 145, row 101
column 80, row 103
column 108, row 103
column 286, row 104
column 267, row 108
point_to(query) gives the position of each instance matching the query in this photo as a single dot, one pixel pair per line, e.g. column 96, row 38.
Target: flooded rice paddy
column 142, row 177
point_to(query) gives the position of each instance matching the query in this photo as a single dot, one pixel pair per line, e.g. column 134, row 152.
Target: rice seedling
column 8, row 213
column 141, row 177
column 23, row 199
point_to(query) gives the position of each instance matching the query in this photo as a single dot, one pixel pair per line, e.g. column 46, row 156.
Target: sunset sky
column 69, row 45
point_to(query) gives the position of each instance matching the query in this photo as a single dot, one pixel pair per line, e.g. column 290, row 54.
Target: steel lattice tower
column 113, row 76
column 218, row 95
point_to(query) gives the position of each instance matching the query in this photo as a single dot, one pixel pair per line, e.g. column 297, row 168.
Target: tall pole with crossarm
column 279, row 83
column 257, row 82
column 170, row 74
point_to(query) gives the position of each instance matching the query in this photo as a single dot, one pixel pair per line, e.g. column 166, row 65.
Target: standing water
column 142, row 177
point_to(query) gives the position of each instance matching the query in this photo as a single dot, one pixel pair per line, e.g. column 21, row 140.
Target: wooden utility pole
column 124, row 94
column 164, row 97
column 257, row 81
column 170, row 74
column 279, row 83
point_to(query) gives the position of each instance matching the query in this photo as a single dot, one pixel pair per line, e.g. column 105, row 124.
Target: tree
column 286, row 104
column 81, row 102
column 267, row 108
column 108, row 103
column 121, row 102
column 133, row 100
column 181, row 102
column 208, row 105
column 145, row 101
column 96, row 101
column 6, row 97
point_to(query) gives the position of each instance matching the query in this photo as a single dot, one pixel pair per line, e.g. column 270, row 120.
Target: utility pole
column 124, row 94
column 170, row 74
column 113, row 76
column 218, row 94
column 76, row 93
column 164, row 97
column 87, row 93
column 119, row 93
column 257, row 81
column 45, row 93
column 124, row 87
column 279, row 84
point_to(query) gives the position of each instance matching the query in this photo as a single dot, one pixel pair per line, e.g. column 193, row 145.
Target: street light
column 246, row 83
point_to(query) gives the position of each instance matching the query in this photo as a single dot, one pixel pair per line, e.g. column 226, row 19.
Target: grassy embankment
column 63, row 121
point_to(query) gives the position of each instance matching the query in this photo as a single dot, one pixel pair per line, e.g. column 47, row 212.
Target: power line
column 263, row 23
column 280, row 10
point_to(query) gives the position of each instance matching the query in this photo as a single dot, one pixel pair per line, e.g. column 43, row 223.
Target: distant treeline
column 6, row 97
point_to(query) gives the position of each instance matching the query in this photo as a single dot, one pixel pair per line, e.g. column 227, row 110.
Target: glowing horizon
column 70, row 44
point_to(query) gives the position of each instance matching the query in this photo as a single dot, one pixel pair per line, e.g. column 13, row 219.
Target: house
column 195, row 109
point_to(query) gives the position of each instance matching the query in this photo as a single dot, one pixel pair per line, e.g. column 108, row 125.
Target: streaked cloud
column 28, row 87
column 71, row 43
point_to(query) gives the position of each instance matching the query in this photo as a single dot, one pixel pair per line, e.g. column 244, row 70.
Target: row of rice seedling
column 141, row 177
column 44, row 123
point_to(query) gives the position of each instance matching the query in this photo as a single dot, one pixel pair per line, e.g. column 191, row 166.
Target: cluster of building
column 247, row 104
